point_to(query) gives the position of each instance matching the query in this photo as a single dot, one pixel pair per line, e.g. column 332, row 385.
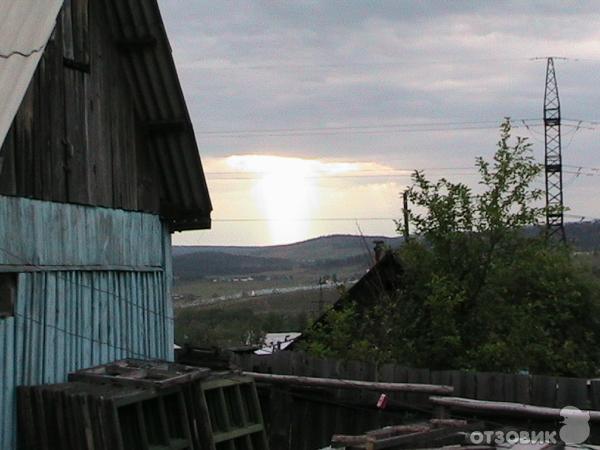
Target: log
column 351, row 384
column 396, row 430
column 438, row 436
column 349, row 440
column 440, row 423
column 503, row 408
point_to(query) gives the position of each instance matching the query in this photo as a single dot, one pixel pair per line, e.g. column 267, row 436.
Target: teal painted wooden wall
column 68, row 316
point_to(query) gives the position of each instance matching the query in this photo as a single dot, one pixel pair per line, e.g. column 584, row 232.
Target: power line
column 361, row 171
column 344, row 219
column 394, row 125
column 578, row 166
column 257, row 176
column 368, row 64
column 332, row 177
column 86, row 286
column 45, row 324
column 327, row 132
column 578, row 216
column 359, row 127
column 374, row 130
column 305, row 219
column 107, row 343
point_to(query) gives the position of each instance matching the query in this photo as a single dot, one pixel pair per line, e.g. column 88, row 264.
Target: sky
column 311, row 115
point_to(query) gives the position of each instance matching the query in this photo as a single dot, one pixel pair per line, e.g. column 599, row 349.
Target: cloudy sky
column 310, row 115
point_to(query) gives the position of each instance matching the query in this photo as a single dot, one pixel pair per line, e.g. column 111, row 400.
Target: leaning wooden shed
column 98, row 166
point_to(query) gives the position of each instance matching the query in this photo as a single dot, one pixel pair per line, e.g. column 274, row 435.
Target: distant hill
column 324, row 247
column 190, row 262
column 323, row 253
column 584, row 236
column 200, row 264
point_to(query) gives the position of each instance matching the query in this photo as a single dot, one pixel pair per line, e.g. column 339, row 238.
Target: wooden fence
column 292, row 411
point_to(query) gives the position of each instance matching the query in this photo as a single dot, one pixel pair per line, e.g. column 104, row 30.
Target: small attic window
column 8, row 294
column 76, row 39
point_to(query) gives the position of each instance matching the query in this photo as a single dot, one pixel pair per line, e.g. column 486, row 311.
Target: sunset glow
column 276, row 199
column 286, row 191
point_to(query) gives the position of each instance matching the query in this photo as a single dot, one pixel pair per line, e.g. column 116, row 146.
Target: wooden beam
column 504, row 408
column 351, row 384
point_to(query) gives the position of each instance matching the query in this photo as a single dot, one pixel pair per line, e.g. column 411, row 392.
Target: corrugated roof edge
column 186, row 223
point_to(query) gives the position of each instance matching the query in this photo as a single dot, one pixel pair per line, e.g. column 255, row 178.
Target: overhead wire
column 305, row 219
column 24, row 262
column 372, row 129
column 353, row 127
column 367, row 64
column 127, row 351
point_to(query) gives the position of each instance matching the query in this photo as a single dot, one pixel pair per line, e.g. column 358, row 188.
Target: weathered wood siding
column 76, row 137
column 77, row 315
column 34, row 232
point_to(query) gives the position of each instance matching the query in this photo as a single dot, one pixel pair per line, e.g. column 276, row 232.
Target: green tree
column 481, row 291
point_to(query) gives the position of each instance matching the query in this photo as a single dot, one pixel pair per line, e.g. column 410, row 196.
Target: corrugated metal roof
column 137, row 27
column 150, row 69
column 275, row 342
column 25, row 27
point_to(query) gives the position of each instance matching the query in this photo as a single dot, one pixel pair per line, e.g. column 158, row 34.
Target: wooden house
column 384, row 279
column 98, row 166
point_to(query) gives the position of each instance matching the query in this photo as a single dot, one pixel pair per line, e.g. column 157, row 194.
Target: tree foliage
column 478, row 291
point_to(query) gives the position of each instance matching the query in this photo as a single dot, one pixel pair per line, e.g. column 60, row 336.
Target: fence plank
column 516, row 388
column 418, row 376
column 543, row 390
column 572, row 392
column 280, row 405
column 490, row 386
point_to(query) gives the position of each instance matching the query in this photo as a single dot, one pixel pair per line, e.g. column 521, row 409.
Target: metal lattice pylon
column 553, row 157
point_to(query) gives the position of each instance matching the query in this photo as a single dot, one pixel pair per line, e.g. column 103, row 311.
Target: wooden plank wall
column 325, row 413
column 76, row 138
column 69, row 320
column 80, row 313
column 58, row 234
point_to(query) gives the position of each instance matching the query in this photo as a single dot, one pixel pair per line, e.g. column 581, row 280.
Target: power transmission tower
column 553, row 158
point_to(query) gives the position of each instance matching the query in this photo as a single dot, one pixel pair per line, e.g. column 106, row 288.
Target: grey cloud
column 284, row 64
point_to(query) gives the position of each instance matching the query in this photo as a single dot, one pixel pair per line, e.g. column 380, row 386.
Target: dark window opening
column 76, row 39
column 8, row 294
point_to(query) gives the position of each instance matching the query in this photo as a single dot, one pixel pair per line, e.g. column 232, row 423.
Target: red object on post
column 383, row 401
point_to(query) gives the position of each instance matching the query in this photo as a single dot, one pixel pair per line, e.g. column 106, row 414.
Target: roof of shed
column 25, row 27
column 138, row 29
column 385, row 278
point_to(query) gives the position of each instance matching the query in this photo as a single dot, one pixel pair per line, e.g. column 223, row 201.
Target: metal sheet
column 25, row 27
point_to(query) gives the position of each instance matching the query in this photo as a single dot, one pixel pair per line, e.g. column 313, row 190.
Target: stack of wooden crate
column 133, row 404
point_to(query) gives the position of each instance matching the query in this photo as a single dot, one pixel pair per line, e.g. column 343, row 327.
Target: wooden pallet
column 84, row 416
column 145, row 405
column 223, row 408
column 141, row 373
column 233, row 407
